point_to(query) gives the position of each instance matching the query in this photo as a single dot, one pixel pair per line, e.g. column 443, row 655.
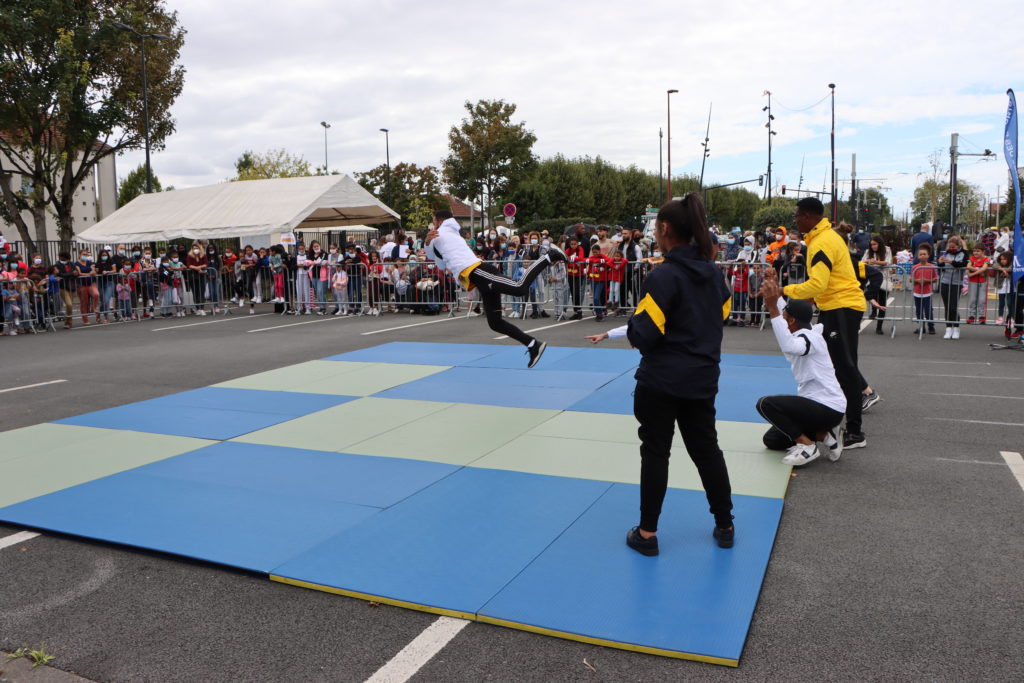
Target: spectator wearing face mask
column 952, row 266
column 88, row 292
column 196, row 264
column 107, row 280
column 68, row 284
column 212, row 276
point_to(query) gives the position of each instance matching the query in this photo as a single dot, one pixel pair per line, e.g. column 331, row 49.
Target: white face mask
column 37, row 261
column 334, row 251
column 533, row 241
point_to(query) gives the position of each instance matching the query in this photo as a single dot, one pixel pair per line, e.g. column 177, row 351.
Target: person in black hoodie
column 677, row 328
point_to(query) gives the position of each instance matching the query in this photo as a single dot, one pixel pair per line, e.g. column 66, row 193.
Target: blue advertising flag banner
column 1010, row 151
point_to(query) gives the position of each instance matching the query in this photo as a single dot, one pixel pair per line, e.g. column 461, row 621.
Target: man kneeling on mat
column 447, row 248
column 814, row 415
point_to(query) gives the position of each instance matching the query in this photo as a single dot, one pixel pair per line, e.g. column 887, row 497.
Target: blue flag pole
column 1010, row 152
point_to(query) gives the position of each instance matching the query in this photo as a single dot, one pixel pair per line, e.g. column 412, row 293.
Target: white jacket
column 807, row 352
column 449, row 250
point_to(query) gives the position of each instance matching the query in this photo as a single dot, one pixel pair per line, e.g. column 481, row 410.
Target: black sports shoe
column 644, row 546
column 536, row 351
column 868, row 400
column 555, row 254
column 724, row 536
column 851, row 440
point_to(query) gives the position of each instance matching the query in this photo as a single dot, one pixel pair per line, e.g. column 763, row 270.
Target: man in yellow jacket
column 833, row 284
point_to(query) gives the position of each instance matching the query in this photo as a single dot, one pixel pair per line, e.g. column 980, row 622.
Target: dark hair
column 881, row 246
column 64, row 256
column 688, row 222
column 811, row 205
column 443, row 214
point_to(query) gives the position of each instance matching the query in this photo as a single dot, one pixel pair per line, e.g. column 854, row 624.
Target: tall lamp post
column 768, row 108
column 707, row 150
column 835, row 206
column 326, row 126
column 668, row 100
column 387, row 159
column 661, row 170
column 145, row 92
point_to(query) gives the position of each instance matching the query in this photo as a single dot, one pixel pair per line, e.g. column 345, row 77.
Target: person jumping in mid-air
column 447, row 248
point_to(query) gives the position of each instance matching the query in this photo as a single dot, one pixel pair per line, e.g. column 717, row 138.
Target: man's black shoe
column 851, row 440
column 544, row 314
column 644, row 546
column 724, row 536
column 536, row 351
column 534, row 315
column 576, row 316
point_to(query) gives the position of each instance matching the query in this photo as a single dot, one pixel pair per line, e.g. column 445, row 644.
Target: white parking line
column 32, row 386
column 413, row 656
column 22, row 536
column 402, row 327
column 1012, row 398
column 304, row 322
column 1016, row 464
column 954, row 362
column 212, row 322
column 548, row 327
column 1015, row 379
column 978, row 422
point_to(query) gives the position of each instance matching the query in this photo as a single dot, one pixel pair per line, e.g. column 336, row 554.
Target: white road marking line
column 1016, row 379
column 22, row 536
column 1016, row 464
column 212, row 322
column 32, row 386
column 547, row 327
column 978, row 422
column 324, row 319
column 421, row 650
column 970, row 462
column 954, row 362
column 402, row 327
column 1012, row 398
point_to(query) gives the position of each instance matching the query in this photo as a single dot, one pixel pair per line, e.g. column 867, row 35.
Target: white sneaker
column 252, row 311
column 201, row 312
column 833, row 445
column 956, row 333
column 234, row 300
column 949, row 333
column 257, row 300
column 800, row 454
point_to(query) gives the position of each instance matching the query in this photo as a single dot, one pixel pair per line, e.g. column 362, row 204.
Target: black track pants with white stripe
column 493, row 284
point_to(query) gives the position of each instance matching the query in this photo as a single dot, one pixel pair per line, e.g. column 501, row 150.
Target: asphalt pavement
column 902, row 561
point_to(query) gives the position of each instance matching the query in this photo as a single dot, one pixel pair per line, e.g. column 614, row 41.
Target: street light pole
column 768, row 188
column 326, row 126
column 835, row 207
column 387, row 158
column 145, row 93
column 668, row 99
column 707, row 150
column 661, row 171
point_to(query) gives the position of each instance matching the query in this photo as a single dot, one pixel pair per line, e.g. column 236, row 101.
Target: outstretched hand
column 597, row 338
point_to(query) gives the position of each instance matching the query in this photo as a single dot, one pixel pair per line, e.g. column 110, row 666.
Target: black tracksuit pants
column 492, row 284
column 842, row 330
column 791, row 416
column 658, row 415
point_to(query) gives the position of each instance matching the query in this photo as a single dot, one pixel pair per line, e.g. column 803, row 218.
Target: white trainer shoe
column 956, row 333
column 833, row 445
column 949, row 333
column 800, row 454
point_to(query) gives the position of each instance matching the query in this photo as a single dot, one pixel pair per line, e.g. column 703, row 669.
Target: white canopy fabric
column 238, row 209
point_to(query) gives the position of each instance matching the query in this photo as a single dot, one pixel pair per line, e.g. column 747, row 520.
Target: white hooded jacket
column 807, row 352
column 450, row 251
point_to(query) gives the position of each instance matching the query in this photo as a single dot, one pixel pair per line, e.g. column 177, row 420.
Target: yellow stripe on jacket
column 831, row 275
column 653, row 311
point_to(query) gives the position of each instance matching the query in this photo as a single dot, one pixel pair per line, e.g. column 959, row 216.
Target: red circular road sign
column 509, row 210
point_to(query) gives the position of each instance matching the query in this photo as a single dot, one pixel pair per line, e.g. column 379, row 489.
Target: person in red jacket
column 598, row 266
column 575, row 268
column 616, row 278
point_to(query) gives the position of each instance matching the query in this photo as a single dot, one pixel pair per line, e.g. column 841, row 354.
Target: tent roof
column 238, row 209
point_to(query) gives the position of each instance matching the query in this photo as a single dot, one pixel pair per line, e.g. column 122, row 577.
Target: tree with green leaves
column 778, row 212
column 71, row 94
column 415, row 190
column 134, row 184
column 488, row 154
column 274, row 163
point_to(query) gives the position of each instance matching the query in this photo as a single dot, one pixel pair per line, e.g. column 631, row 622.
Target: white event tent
column 242, row 209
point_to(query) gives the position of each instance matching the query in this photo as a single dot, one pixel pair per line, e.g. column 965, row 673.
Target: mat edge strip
column 469, row 616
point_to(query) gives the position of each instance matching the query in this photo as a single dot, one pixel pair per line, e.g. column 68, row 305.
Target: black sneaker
column 644, row 546
column 576, row 316
column 536, row 351
column 555, row 254
column 852, row 440
column 868, row 400
column 544, row 314
column 724, row 536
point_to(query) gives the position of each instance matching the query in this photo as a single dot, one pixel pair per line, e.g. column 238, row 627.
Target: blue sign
column 1010, row 152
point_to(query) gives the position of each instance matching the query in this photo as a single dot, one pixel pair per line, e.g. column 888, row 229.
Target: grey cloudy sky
column 590, row 78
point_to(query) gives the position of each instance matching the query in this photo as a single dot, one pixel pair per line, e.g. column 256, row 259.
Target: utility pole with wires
column 707, row 150
column 954, row 154
column 768, row 108
column 800, row 185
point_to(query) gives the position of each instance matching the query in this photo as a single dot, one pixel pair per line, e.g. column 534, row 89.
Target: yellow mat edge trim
column 469, row 616
column 675, row 654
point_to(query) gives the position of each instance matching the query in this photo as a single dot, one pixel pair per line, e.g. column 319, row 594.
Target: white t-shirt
column 807, row 353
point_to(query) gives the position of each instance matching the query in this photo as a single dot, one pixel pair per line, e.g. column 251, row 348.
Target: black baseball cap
column 801, row 311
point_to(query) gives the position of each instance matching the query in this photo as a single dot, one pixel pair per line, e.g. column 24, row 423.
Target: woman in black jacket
column 677, row 328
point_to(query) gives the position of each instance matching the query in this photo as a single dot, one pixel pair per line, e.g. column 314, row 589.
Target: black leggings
column 794, row 416
column 492, row 284
column 842, row 330
column 658, row 415
column 950, row 302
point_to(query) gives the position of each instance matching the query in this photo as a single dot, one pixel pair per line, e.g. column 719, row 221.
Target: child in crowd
column 616, row 277
column 339, row 284
column 924, row 276
column 124, row 292
column 597, row 272
column 1002, row 269
column 558, row 277
column 13, row 305
column 977, row 289
column 740, row 274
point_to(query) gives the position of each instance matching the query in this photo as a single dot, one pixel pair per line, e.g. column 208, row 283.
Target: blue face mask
column 747, row 247
column 730, row 241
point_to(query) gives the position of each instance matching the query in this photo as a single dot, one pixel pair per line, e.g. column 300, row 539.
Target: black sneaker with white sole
column 725, row 537
column 868, row 400
column 644, row 546
column 536, row 351
column 852, row 440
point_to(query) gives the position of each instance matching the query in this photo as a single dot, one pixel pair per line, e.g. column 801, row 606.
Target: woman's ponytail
column 688, row 222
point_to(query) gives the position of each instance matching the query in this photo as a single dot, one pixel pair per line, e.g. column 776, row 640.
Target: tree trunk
column 11, row 209
column 39, row 212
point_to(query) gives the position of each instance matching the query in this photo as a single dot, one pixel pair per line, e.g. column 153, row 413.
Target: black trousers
column 950, row 302
column 842, row 330
column 576, row 292
column 492, row 284
column 792, row 416
column 658, row 415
